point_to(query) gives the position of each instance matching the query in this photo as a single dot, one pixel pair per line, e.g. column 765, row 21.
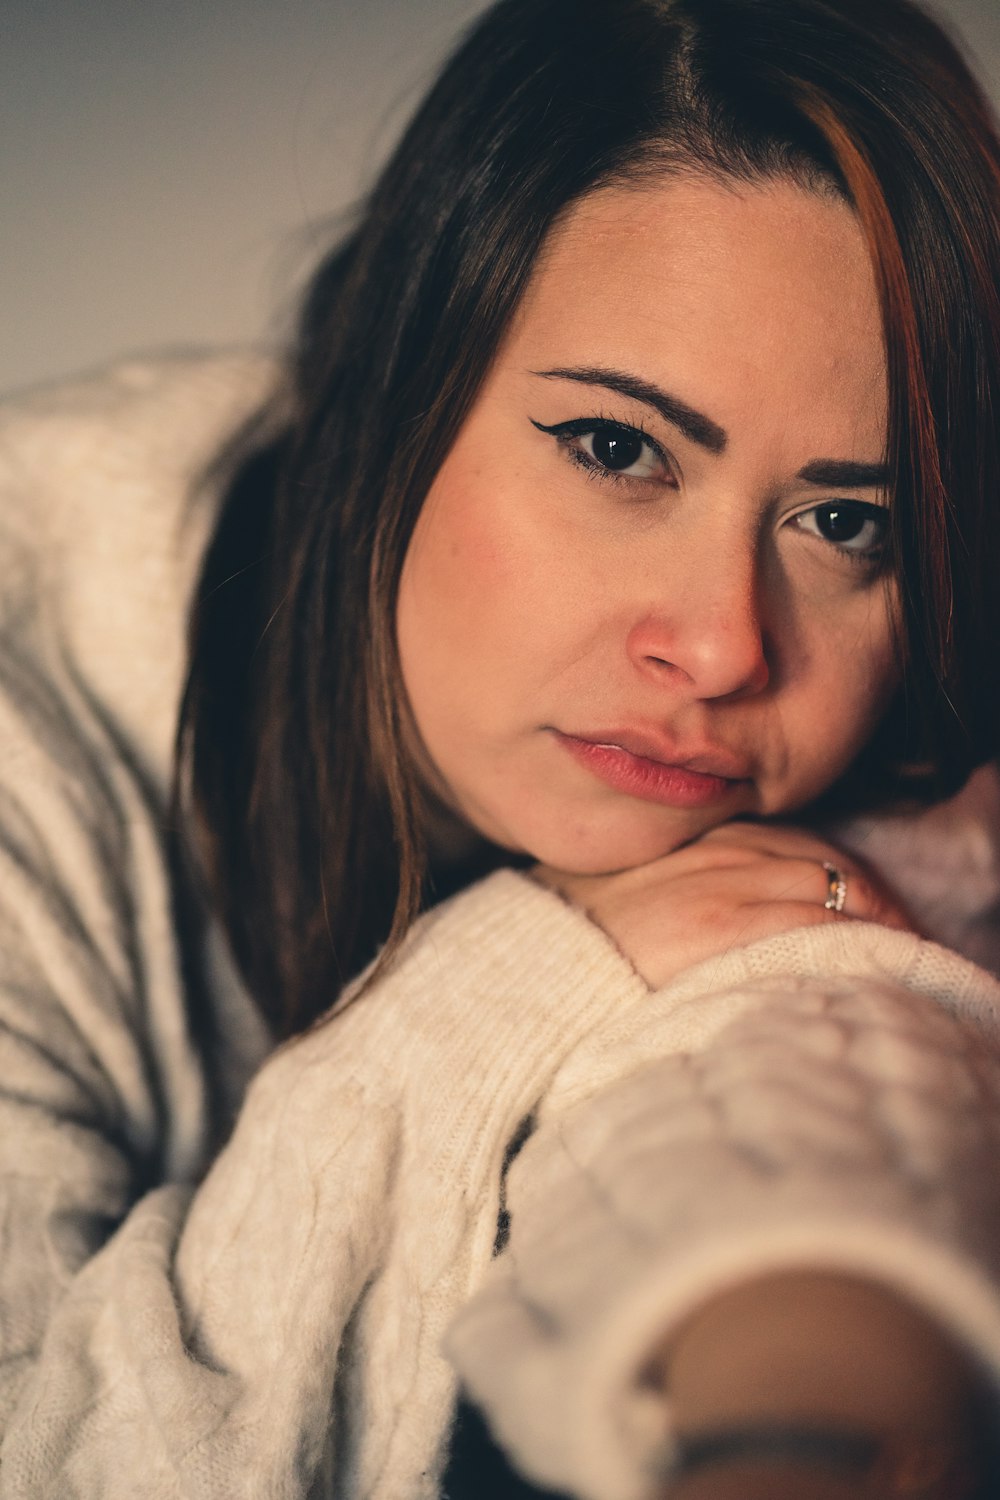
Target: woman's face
column 644, row 593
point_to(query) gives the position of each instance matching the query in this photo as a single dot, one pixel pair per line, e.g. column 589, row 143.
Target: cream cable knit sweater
column 276, row 1329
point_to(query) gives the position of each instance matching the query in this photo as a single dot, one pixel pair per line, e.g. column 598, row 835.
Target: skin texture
column 737, row 884
column 692, row 603
column 697, row 601
column 822, row 1350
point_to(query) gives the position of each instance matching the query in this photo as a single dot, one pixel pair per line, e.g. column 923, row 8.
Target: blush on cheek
column 481, row 560
column 458, row 586
column 460, row 542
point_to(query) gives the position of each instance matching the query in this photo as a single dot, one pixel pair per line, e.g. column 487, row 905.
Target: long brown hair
column 308, row 815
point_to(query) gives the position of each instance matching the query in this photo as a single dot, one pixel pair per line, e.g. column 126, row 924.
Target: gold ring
column 836, row 888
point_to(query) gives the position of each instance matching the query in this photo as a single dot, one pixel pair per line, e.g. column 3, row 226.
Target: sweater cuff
column 624, row 1435
column 503, row 981
column 833, row 1124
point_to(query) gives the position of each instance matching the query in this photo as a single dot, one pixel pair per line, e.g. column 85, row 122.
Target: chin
column 602, row 851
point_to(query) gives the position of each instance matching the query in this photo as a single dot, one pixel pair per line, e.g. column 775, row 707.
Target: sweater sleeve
column 164, row 1331
column 829, row 1099
column 277, row 1326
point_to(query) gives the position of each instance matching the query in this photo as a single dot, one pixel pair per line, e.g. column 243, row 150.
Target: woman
column 654, row 504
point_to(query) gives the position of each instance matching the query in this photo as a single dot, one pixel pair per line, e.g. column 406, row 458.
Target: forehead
column 734, row 295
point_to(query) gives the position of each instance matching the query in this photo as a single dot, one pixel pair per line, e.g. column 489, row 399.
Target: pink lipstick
column 668, row 782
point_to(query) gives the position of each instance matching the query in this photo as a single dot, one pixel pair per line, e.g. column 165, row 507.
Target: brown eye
column 611, row 450
column 852, row 526
column 622, row 451
column 840, row 523
column 616, row 447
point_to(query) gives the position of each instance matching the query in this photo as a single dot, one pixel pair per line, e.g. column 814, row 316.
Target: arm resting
column 841, row 1124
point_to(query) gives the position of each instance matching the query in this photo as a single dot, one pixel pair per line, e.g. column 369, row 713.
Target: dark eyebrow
column 693, row 424
column 830, row 472
column 839, row 473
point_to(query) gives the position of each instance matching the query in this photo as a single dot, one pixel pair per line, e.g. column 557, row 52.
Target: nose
column 705, row 634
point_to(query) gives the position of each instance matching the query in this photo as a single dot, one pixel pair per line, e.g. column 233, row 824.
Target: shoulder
column 193, row 385
column 104, row 512
column 152, row 421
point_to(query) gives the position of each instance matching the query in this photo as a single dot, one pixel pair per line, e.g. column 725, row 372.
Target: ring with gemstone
column 836, row 889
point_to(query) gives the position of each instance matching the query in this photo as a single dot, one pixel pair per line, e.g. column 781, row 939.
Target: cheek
column 878, row 642
column 450, row 560
column 856, row 676
column 493, row 579
column 461, row 599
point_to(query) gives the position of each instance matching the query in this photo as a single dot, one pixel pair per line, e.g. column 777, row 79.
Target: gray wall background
column 169, row 168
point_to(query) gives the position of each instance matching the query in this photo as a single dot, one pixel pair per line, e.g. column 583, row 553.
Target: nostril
column 708, row 659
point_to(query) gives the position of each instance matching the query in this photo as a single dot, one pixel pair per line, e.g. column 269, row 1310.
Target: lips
column 622, row 760
column 652, row 746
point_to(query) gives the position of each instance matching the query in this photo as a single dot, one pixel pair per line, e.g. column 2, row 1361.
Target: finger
column 781, row 840
column 841, row 888
column 853, row 891
column 839, row 891
column 766, row 919
column 866, row 898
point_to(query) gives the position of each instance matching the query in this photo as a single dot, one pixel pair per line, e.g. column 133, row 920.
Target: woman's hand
column 817, row 1386
column 735, row 885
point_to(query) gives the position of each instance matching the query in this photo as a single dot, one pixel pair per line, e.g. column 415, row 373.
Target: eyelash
column 566, row 434
column 874, row 556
